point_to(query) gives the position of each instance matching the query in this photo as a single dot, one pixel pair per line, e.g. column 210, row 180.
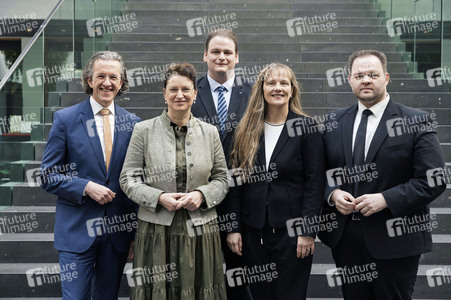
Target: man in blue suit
column 94, row 220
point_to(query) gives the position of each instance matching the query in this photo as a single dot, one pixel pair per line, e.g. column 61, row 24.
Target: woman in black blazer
column 277, row 188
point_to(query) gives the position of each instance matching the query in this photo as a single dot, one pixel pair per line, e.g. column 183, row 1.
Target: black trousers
column 275, row 248
column 365, row 277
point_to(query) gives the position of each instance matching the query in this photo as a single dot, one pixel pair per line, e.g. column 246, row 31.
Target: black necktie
column 358, row 157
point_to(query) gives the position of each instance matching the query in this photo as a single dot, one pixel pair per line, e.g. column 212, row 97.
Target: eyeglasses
column 360, row 77
column 113, row 78
column 184, row 90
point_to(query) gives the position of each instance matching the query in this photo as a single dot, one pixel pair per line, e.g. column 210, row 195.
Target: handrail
column 30, row 44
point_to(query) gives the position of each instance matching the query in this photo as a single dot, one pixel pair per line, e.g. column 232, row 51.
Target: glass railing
column 425, row 27
column 53, row 63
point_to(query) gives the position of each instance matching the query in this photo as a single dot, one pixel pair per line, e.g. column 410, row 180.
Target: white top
column 96, row 108
column 214, row 85
column 373, row 121
column 272, row 134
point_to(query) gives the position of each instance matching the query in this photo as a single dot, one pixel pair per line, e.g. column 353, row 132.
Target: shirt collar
column 167, row 121
column 96, row 107
column 377, row 109
column 214, row 84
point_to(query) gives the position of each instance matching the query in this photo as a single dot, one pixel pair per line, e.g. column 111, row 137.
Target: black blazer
column 205, row 110
column 295, row 190
column 401, row 160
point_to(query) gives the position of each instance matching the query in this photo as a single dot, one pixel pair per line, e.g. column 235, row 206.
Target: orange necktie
column 107, row 136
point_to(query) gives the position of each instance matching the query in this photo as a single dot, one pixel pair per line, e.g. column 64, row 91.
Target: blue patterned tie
column 222, row 108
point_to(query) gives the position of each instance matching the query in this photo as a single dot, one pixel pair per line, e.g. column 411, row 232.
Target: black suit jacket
column 401, row 156
column 204, row 109
column 293, row 188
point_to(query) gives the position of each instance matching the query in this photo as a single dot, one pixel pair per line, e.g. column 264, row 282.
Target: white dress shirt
column 214, row 85
column 272, row 134
column 373, row 121
column 96, row 108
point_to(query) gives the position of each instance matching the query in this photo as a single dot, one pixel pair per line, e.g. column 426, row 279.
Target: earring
column 165, row 102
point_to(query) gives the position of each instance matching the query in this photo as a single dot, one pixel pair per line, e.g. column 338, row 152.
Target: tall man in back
column 382, row 161
column 94, row 220
column 222, row 100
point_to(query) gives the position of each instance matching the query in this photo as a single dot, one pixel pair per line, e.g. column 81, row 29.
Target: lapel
column 381, row 132
column 236, row 99
column 119, row 135
column 348, row 125
column 283, row 138
column 89, row 124
column 261, row 154
column 205, row 98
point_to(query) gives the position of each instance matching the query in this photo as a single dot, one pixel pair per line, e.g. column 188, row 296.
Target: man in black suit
column 221, row 56
column 382, row 159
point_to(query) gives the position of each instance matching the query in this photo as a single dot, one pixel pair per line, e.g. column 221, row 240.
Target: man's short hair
column 104, row 55
column 226, row 33
column 379, row 54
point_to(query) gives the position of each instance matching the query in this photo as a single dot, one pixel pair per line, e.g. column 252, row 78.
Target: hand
column 369, row 204
column 190, row 201
column 344, row 201
column 170, row 200
column 130, row 251
column 99, row 193
column 305, row 247
column 235, row 242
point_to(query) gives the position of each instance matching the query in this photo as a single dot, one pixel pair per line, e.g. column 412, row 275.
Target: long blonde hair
column 252, row 125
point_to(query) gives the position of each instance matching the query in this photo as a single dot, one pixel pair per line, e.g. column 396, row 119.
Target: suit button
column 189, row 153
column 188, row 143
column 107, row 182
column 191, row 165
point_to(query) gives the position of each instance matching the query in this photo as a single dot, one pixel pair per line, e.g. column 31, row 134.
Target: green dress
column 176, row 262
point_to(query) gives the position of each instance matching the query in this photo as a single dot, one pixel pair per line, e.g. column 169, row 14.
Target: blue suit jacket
column 73, row 157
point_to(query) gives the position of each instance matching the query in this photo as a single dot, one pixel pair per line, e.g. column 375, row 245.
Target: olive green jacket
column 149, row 168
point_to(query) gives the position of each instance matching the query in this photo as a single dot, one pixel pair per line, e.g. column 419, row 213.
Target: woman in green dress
column 176, row 172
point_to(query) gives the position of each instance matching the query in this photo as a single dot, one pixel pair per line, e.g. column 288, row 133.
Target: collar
column 214, row 84
column 164, row 117
column 377, row 109
column 96, row 107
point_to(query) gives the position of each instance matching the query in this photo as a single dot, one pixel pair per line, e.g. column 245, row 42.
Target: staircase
column 318, row 59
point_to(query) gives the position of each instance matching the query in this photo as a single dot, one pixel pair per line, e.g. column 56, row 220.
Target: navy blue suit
column 73, row 157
